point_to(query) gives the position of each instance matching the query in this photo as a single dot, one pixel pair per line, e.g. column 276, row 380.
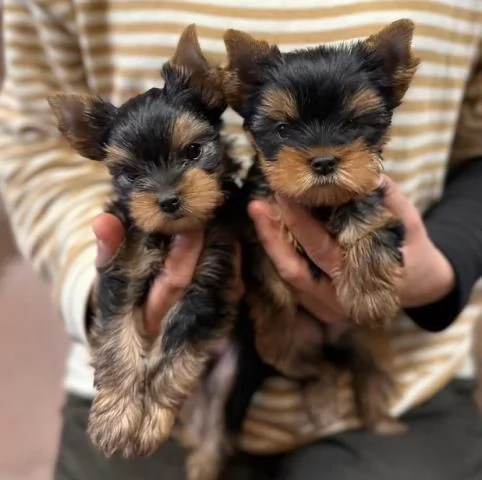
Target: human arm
column 51, row 194
column 455, row 222
column 454, row 225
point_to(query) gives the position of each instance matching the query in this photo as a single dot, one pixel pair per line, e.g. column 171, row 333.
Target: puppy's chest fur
column 348, row 223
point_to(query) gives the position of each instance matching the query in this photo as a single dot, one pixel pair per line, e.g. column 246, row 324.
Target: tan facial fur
column 187, row 129
column 200, row 194
column 279, row 105
column 357, row 174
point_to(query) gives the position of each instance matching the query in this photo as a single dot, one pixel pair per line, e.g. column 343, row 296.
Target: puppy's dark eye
column 193, row 151
column 282, row 130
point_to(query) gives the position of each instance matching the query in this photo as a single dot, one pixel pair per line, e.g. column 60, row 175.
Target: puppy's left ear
column 84, row 121
column 246, row 59
column 393, row 46
column 201, row 76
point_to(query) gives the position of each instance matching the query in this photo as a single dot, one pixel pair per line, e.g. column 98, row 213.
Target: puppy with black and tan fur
column 169, row 168
column 318, row 119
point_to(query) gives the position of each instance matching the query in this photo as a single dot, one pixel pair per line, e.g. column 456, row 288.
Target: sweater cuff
column 75, row 294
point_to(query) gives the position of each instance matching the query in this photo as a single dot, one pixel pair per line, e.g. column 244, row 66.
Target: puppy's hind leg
column 208, row 457
column 321, row 396
column 373, row 385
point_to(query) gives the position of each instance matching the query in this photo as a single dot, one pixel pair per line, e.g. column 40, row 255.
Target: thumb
column 400, row 206
column 315, row 240
column 109, row 232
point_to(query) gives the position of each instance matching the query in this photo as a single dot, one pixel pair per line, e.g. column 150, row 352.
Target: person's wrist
column 444, row 279
column 435, row 280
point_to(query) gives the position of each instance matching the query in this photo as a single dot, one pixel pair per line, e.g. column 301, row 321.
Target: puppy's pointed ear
column 245, row 58
column 393, row 45
column 190, row 64
column 84, row 121
column 188, row 52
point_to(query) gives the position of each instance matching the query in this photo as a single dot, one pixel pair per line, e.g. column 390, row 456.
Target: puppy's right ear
column 243, row 72
column 84, row 121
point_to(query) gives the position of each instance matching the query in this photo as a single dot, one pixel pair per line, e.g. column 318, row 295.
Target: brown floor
column 32, row 357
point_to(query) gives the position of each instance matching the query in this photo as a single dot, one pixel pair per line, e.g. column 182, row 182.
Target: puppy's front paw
column 114, row 422
column 366, row 283
column 156, row 428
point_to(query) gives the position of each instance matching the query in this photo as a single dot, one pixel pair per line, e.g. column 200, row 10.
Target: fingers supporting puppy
column 400, row 206
column 326, row 312
column 110, row 233
column 177, row 275
column 315, row 240
column 291, row 267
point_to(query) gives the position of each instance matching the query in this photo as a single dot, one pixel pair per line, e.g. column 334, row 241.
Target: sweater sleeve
column 51, row 194
column 455, row 223
column 455, row 227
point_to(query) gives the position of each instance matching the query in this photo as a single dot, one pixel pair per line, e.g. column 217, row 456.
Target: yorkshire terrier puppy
column 169, row 168
column 312, row 352
column 318, row 119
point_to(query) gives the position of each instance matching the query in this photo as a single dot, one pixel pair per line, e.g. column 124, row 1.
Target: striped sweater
column 114, row 48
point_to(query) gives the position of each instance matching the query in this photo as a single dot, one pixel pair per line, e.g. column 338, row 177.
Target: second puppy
column 318, row 119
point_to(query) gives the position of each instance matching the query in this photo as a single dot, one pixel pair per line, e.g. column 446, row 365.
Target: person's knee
column 330, row 461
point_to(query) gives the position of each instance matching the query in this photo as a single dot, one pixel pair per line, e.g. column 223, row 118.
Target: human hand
column 317, row 297
column 427, row 274
column 177, row 274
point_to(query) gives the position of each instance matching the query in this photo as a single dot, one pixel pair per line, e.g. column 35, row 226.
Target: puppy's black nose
column 323, row 165
column 170, row 203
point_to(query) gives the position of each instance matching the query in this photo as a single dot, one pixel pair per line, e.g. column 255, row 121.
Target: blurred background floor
column 32, row 358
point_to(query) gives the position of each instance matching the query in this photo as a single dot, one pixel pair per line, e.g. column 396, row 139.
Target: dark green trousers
column 444, row 443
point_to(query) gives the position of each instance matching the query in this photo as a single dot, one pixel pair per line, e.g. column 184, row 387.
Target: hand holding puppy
column 427, row 274
column 176, row 276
